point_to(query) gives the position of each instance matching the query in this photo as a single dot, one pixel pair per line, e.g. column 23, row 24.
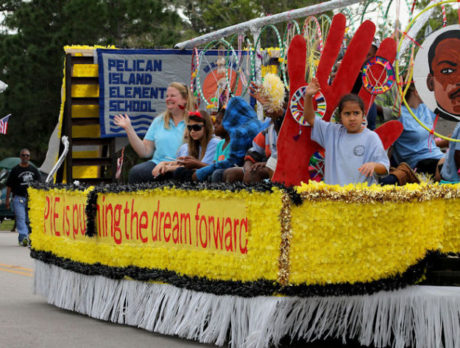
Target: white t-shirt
column 346, row 152
column 208, row 157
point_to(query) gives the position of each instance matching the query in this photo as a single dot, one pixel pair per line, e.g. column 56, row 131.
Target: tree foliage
column 35, row 32
column 435, row 21
column 209, row 15
column 32, row 56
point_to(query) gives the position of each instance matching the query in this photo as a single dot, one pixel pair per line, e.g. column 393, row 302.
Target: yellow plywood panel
column 85, row 172
column 85, row 70
column 85, row 111
column 86, row 131
column 85, row 91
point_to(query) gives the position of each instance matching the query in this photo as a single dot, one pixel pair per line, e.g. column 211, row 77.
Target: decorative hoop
column 316, row 166
column 374, row 10
column 257, row 52
column 367, row 76
column 245, row 67
column 398, row 78
column 314, row 40
column 228, row 75
column 292, row 28
column 193, row 76
column 296, row 105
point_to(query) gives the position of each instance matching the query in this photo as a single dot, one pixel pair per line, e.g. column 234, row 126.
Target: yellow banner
column 64, row 214
column 210, row 233
column 190, row 222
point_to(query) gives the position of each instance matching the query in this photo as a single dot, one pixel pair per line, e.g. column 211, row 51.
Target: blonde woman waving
column 164, row 136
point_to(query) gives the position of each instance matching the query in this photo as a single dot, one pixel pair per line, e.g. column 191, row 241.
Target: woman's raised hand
column 122, row 121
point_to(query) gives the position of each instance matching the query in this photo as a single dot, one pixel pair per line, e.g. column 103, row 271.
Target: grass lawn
column 6, row 225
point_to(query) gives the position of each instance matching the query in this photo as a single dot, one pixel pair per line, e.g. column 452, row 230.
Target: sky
column 375, row 13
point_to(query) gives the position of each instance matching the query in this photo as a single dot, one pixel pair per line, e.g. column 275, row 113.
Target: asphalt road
column 27, row 320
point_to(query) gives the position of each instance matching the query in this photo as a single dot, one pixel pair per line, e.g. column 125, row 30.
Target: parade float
column 249, row 265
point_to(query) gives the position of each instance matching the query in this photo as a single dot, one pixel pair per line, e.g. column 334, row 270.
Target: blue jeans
column 141, row 172
column 217, row 175
column 22, row 216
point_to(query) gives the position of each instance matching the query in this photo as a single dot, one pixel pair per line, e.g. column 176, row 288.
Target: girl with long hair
column 197, row 152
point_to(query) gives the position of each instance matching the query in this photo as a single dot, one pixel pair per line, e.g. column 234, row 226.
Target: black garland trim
column 91, row 210
column 217, row 287
column 239, row 288
column 46, row 187
column 194, row 186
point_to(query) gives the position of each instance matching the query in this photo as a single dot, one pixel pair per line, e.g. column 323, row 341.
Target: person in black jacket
column 17, row 183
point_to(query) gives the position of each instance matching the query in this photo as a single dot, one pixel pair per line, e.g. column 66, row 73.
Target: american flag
column 4, row 124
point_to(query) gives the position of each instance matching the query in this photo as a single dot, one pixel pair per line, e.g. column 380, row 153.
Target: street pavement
column 27, row 320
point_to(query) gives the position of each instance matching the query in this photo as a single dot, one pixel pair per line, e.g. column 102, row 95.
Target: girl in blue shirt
column 197, row 152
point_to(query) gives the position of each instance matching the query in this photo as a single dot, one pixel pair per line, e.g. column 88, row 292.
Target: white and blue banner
column 134, row 82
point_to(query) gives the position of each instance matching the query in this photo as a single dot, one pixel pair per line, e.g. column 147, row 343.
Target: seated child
column 261, row 158
column 450, row 169
column 416, row 146
column 353, row 153
column 222, row 148
column 240, row 121
column 197, row 152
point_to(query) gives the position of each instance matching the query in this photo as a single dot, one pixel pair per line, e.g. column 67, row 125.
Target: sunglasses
column 195, row 127
column 25, row 155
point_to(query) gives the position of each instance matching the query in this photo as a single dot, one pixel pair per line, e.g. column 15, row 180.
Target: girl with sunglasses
column 197, row 152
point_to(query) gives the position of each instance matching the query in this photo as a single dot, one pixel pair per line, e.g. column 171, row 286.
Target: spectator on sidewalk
column 18, row 181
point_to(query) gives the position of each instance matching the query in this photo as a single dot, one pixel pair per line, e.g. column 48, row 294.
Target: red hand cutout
column 294, row 149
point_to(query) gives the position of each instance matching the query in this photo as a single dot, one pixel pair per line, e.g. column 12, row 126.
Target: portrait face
column 436, row 72
column 444, row 79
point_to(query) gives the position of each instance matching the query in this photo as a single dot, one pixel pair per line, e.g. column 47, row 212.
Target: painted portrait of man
column 437, row 72
column 444, row 76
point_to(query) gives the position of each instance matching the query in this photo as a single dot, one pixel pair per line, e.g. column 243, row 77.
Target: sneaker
column 404, row 174
column 24, row 242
